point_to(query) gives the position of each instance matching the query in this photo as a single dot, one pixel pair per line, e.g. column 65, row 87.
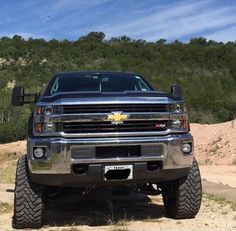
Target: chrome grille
column 108, row 127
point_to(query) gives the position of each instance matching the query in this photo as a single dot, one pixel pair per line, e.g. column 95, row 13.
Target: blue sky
column 138, row 19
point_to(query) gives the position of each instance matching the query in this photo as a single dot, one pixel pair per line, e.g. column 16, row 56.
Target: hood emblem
column 117, row 117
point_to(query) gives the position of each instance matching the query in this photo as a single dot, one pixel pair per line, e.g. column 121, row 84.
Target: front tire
column 28, row 199
column 182, row 198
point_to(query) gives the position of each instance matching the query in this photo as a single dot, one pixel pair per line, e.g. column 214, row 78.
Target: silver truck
column 92, row 129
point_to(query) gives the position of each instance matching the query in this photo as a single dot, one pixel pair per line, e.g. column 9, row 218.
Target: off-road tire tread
column 182, row 198
column 28, row 199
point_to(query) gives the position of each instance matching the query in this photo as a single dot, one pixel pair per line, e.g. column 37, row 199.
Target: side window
column 55, row 87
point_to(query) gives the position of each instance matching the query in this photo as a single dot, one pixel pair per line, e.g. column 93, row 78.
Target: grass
column 208, row 161
column 71, row 229
column 8, row 171
column 224, row 212
column 5, row 207
column 220, row 200
column 110, row 218
column 119, row 229
column 215, row 198
column 8, row 167
column 234, row 162
column 66, row 229
column 121, row 222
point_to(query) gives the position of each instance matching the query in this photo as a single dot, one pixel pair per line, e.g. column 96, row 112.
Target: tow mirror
column 176, row 91
column 19, row 98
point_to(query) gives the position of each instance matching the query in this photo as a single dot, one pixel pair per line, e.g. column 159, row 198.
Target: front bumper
column 62, row 154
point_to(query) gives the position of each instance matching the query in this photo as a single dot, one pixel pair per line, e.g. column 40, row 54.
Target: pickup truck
column 99, row 128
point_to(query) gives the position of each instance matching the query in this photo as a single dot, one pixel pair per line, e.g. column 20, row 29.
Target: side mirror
column 176, row 91
column 18, row 96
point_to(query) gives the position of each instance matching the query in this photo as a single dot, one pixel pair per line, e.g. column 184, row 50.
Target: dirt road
column 134, row 212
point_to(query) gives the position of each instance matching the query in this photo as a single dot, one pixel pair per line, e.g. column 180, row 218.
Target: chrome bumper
column 58, row 160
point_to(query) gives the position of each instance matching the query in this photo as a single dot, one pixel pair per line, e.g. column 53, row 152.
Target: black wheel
column 28, row 199
column 182, row 198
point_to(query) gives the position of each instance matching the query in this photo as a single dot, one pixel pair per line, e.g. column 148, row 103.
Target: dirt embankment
column 18, row 148
column 215, row 143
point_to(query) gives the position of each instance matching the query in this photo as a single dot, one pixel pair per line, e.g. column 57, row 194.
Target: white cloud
column 75, row 4
column 224, row 35
column 197, row 23
column 149, row 20
column 176, row 21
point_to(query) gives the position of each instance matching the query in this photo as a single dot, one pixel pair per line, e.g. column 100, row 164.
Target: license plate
column 117, row 168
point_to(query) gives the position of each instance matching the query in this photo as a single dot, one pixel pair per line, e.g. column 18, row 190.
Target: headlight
column 48, row 110
column 184, row 124
column 176, row 124
column 49, row 128
column 178, row 108
column 46, row 128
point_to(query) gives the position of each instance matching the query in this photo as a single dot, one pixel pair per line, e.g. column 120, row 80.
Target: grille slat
column 127, row 126
column 109, row 124
column 80, row 109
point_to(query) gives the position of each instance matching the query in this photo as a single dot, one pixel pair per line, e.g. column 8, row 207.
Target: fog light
column 176, row 124
column 187, row 148
column 49, row 127
column 39, row 152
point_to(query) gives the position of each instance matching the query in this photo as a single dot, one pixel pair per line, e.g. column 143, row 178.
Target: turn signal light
column 37, row 128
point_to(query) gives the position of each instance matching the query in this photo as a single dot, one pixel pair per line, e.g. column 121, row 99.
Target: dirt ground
column 135, row 212
column 219, row 174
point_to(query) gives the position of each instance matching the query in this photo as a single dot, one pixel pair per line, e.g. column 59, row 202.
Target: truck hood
column 109, row 97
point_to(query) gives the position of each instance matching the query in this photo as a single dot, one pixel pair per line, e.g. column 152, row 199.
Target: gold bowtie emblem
column 117, row 117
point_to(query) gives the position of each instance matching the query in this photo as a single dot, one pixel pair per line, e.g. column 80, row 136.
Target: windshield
column 97, row 82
